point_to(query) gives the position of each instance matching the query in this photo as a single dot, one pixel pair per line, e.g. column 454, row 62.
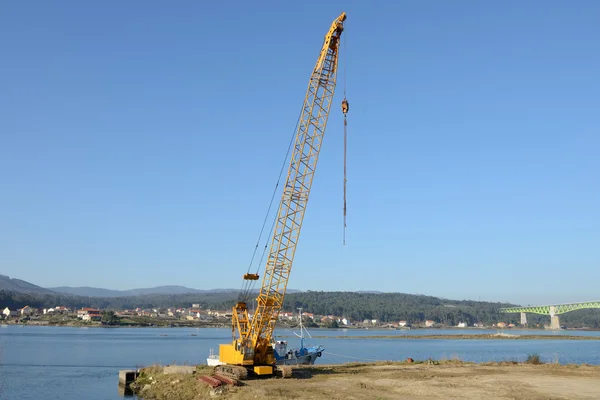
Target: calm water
column 83, row 363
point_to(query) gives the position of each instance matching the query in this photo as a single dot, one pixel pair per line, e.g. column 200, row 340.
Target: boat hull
column 307, row 359
column 212, row 362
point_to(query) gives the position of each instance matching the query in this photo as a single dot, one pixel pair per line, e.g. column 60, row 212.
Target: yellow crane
column 251, row 348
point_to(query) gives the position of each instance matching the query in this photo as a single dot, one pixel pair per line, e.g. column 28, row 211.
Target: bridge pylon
column 554, row 323
column 523, row 318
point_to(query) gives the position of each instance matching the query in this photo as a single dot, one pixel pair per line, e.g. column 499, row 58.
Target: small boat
column 213, row 359
column 297, row 356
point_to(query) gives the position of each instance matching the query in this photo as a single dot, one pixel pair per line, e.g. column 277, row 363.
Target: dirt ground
column 482, row 336
column 419, row 381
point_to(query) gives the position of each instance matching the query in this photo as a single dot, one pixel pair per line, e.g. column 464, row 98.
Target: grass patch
column 534, row 359
column 203, row 369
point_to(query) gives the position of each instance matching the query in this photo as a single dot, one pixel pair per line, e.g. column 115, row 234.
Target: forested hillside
column 392, row 307
column 17, row 285
column 206, row 300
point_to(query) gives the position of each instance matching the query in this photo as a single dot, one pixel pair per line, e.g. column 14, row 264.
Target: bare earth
column 448, row 380
column 497, row 336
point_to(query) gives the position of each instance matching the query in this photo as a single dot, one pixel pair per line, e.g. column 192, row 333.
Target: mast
column 301, row 330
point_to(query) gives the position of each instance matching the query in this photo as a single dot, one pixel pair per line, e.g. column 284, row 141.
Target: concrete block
column 127, row 376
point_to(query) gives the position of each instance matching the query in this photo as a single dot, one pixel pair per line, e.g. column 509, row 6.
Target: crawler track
column 232, row 371
column 284, row 371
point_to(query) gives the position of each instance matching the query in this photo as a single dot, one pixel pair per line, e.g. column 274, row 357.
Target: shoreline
column 471, row 336
column 224, row 325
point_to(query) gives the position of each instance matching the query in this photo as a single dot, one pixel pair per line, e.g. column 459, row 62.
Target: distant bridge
column 552, row 310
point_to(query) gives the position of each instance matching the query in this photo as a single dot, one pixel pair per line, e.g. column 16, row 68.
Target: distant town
column 26, row 303
column 195, row 316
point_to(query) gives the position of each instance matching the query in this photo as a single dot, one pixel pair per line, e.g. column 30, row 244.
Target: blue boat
column 300, row 355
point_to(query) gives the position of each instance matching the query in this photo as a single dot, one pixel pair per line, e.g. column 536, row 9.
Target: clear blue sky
column 140, row 142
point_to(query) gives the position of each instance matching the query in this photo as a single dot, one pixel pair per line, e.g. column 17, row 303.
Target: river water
column 83, row 363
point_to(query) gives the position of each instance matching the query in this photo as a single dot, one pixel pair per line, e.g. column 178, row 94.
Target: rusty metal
column 210, row 381
column 226, row 380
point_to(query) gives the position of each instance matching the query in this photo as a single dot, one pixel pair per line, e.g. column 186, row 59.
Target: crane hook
column 345, row 106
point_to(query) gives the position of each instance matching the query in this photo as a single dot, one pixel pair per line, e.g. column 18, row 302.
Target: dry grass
column 534, row 359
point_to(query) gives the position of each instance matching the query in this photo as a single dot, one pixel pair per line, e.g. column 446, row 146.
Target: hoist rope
column 345, row 51
column 248, row 285
column 262, row 257
column 345, row 180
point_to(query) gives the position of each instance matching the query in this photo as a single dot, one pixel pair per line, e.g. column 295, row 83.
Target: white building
column 8, row 313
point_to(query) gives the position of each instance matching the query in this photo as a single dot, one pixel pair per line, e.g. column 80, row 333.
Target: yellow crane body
column 251, row 346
